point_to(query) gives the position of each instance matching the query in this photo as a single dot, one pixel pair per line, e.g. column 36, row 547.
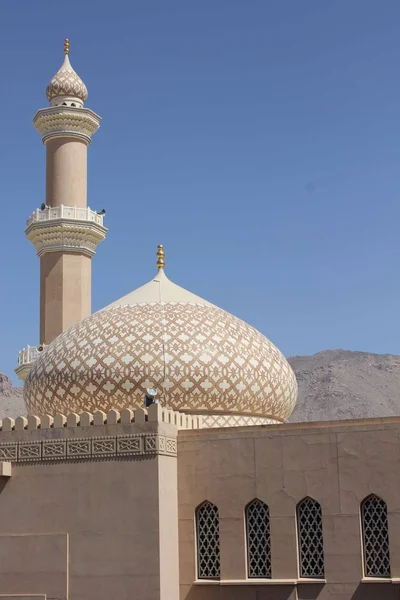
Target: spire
column 66, row 87
column 160, row 257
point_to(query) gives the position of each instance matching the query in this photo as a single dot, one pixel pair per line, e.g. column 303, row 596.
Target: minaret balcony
column 66, row 229
column 65, row 212
column 66, row 121
column 26, row 358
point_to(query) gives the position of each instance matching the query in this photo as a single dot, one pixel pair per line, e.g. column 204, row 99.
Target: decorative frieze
column 145, row 444
column 128, row 444
column 78, row 448
column 29, row 451
column 66, row 121
column 9, row 451
column 54, row 450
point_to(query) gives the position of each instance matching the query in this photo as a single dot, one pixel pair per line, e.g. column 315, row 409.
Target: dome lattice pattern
column 66, row 82
column 199, row 357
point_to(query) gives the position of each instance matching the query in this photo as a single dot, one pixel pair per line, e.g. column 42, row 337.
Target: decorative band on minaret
column 65, row 231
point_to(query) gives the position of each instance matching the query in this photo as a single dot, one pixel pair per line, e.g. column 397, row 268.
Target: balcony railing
column 29, row 354
column 71, row 213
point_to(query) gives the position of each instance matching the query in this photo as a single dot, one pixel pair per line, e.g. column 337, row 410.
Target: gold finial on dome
column 66, row 82
column 160, row 256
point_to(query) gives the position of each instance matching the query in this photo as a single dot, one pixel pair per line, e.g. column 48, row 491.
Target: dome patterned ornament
column 66, row 82
column 200, row 358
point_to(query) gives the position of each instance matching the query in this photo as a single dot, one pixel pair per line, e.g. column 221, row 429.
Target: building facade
column 148, row 506
column 155, row 461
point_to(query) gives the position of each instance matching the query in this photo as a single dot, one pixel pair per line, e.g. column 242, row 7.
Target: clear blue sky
column 258, row 140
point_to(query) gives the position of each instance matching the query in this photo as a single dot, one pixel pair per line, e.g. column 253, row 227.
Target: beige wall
column 66, row 172
column 90, row 529
column 168, row 518
column 338, row 466
column 107, row 528
column 65, row 292
column 109, row 511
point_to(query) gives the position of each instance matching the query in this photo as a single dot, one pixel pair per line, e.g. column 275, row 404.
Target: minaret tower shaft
column 64, row 231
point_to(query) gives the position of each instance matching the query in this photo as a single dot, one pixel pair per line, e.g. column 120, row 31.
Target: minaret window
column 258, row 540
column 375, row 537
column 311, row 546
column 207, row 529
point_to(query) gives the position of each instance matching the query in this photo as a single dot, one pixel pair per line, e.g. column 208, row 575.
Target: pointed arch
column 310, row 539
column 207, row 534
column 258, row 539
column 375, row 537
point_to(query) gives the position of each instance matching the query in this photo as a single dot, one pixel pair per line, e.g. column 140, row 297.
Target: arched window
column 258, row 539
column 375, row 537
column 311, row 544
column 207, row 529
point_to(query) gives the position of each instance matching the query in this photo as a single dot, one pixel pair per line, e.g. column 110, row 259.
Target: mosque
column 155, row 461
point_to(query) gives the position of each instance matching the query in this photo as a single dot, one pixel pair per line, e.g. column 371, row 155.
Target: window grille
column 258, row 540
column 311, row 545
column 207, row 526
column 375, row 537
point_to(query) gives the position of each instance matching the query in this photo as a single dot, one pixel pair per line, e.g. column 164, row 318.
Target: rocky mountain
column 333, row 384
column 11, row 399
column 339, row 384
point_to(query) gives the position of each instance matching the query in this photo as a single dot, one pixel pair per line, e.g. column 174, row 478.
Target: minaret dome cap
column 66, row 86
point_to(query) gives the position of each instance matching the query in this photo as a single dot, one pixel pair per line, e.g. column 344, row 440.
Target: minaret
column 65, row 231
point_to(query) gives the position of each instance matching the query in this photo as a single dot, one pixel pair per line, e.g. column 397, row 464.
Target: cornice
column 64, row 235
column 66, row 121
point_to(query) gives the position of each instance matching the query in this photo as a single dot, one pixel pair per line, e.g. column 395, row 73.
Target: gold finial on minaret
column 66, row 46
column 160, row 257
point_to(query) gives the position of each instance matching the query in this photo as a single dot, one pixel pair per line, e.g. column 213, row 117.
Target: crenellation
column 59, row 421
column 155, row 412
column 32, row 439
column 139, row 416
column 8, row 424
column 73, row 420
column 21, row 423
column 113, row 417
column 86, row 419
column 127, row 416
column 99, row 417
column 46, row 422
column 33, row 422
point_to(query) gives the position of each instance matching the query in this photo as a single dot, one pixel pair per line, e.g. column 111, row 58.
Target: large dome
column 200, row 358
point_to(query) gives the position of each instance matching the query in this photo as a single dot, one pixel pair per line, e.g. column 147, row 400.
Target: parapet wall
column 92, row 436
column 155, row 413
